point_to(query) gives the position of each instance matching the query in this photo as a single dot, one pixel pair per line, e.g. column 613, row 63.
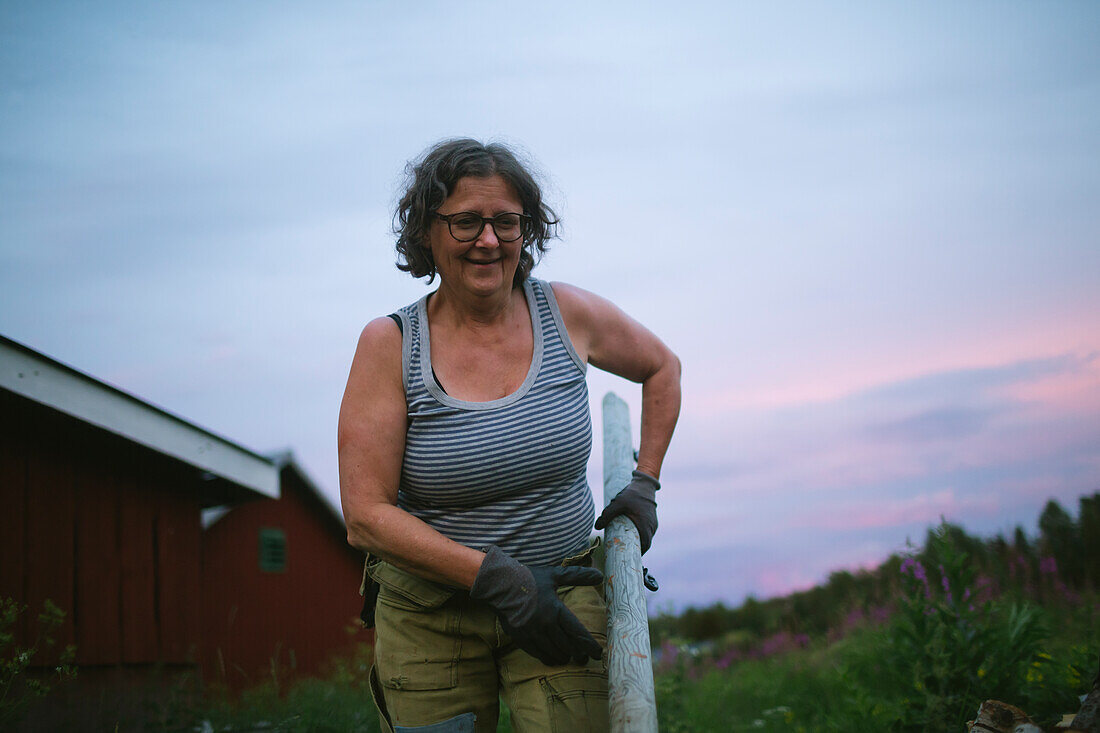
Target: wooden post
column 629, row 666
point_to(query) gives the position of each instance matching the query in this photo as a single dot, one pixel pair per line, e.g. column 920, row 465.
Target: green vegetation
column 340, row 702
column 17, row 688
column 863, row 682
column 915, row 645
column 309, row 705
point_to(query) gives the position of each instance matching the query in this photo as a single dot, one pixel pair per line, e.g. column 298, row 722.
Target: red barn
column 280, row 584
column 103, row 497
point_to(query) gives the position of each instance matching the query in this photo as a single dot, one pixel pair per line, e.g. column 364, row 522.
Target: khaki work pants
column 441, row 656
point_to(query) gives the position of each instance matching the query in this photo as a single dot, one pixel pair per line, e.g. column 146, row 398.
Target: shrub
column 17, row 689
column 951, row 647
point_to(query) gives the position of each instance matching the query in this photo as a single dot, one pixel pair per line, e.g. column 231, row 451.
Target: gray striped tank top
column 509, row 472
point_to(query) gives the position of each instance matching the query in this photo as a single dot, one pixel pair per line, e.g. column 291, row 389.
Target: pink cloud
column 895, row 512
column 834, row 376
column 1075, row 392
column 778, row 579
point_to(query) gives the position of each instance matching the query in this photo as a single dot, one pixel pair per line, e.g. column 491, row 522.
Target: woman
column 464, row 434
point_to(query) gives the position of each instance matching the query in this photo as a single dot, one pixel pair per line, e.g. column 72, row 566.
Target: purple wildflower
column 1048, row 566
column 775, row 644
column 918, row 572
column 853, row 618
column 668, row 654
column 728, row 658
column 912, row 565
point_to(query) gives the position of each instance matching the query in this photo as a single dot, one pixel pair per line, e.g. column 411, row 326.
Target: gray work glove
column 637, row 501
column 525, row 599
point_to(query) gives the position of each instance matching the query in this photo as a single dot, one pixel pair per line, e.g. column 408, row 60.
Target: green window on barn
column 272, row 550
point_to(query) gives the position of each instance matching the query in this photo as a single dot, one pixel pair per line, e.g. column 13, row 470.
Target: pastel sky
column 871, row 231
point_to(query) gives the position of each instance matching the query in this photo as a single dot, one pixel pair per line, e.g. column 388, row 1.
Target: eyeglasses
column 466, row 226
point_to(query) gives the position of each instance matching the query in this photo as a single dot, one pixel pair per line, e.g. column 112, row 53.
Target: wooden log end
column 1088, row 717
column 999, row 717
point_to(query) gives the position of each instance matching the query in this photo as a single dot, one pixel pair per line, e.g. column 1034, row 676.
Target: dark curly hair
column 432, row 178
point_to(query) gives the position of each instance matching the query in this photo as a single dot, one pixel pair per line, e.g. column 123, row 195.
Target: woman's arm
column 611, row 340
column 371, row 438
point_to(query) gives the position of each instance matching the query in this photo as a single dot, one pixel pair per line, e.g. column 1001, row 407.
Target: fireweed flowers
column 912, row 566
column 955, row 644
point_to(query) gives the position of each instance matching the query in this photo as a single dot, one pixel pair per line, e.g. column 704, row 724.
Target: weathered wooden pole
column 629, row 667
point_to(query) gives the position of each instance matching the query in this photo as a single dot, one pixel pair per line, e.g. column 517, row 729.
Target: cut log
column 1088, row 717
column 1000, row 717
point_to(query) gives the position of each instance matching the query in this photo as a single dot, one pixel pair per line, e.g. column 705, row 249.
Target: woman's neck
column 465, row 310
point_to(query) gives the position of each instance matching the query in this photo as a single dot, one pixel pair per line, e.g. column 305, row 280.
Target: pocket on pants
column 401, row 589
column 588, row 605
column 576, row 701
column 417, row 644
column 417, row 650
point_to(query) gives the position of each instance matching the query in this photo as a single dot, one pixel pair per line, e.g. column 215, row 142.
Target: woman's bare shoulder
column 574, row 300
column 378, row 353
column 579, row 306
column 612, row 340
column 582, row 313
column 381, row 332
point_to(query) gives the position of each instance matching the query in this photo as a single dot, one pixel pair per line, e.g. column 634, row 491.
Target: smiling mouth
column 483, row 262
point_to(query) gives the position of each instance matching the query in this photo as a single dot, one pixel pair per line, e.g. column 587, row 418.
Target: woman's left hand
column 638, row 501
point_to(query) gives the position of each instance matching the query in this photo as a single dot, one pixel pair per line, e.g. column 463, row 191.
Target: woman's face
column 485, row 265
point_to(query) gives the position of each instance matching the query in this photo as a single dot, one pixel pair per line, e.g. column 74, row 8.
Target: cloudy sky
column 871, row 231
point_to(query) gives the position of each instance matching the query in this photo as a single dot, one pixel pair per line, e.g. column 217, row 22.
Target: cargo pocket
column 576, row 701
column 417, row 644
column 401, row 589
column 588, row 605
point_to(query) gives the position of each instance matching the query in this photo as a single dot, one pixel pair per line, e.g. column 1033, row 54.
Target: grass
column 874, row 679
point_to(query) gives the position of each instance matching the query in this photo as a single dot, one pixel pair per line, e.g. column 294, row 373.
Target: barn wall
column 107, row 530
column 297, row 618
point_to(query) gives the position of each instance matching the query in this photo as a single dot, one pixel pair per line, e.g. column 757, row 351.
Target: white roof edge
column 42, row 379
column 285, row 458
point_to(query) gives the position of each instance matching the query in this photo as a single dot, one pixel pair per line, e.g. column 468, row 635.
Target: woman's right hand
column 526, row 600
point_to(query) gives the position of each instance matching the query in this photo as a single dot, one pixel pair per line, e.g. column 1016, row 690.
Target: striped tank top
column 509, row 472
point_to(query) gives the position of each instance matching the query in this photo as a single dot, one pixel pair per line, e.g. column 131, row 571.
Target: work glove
column 637, row 501
column 525, row 599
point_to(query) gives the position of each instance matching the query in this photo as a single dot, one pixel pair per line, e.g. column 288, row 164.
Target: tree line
column 1057, row 566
